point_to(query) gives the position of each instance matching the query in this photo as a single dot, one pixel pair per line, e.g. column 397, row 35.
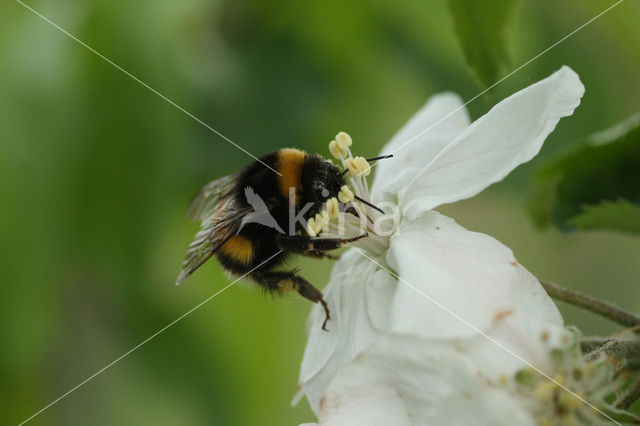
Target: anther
column 320, row 219
column 345, row 195
column 569, row 401
column 333, row 208
column 363, row 166
column 311, row 227
column 358, row 166
column 344, row 140
column 545, row 390
column 336, row 150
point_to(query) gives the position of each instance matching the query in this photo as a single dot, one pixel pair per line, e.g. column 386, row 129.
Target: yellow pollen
column 358, row 166
column 569, row 401
column 345, row 195
column 344, row 140
column 336, row 150
column 363, row 166
column 319, row 221
column 545, row 390
column 311, row 227
column 286, row 286
column 352, row 166
column 333, row 208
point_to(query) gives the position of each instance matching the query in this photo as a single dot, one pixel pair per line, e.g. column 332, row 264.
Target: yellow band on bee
column 239, row 248
column 290, row 163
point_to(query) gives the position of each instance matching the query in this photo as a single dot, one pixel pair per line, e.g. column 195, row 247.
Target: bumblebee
column 246, row 219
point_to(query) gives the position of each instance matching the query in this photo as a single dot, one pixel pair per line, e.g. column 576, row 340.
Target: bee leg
column 308, row 291
column 303, row 243
column 285, row 282
column 320, row 255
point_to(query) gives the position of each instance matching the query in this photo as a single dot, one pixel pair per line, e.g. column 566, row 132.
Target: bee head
column 325, row 180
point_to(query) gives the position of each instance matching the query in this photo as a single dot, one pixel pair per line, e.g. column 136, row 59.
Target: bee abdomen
column 238, row 249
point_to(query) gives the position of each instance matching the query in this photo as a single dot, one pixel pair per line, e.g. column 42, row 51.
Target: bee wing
column 206, row 201
column 222, row 223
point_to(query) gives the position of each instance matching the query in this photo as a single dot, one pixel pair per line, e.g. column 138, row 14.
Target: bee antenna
column 344, row 172
column 381, row 157
column 369, row 204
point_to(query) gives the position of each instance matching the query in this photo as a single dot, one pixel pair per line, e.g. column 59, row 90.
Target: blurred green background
column 96, row 172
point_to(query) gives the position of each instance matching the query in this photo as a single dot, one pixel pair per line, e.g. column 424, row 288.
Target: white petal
column 359, row 308
column 511, row 133
column 455, row 283
column 436, row 124
column 404, row 380
column 513, row 344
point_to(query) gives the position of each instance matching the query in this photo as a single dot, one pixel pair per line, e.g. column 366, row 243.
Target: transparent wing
column 206, row 201
column 221, row 224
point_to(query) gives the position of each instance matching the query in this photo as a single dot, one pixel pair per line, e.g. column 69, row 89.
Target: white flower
column 408, row 380
column 470, row 275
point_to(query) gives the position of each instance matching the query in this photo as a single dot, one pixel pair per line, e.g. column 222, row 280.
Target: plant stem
column 605, row 309
column 630, row 395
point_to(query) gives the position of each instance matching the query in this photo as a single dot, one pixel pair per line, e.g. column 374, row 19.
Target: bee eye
column 320, row 188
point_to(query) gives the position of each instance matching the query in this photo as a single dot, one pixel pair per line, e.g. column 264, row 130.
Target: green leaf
column 618, row 215
column 594, row 186
column 480, row 26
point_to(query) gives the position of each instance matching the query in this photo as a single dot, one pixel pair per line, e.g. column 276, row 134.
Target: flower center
column 352, row 213
column 553, row 404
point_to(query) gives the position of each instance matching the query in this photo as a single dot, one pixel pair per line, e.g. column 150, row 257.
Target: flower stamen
column 333, row 208
column 337, row 151
column 344, row 140
column 345, row 195
column 311, row 225
column 358, row 166
column 359, row 213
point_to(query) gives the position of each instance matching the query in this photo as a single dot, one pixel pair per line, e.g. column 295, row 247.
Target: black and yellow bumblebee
column 251, row 248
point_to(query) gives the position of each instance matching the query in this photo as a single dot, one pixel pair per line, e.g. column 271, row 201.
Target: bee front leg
column 285, row 282
column 303, row 243
column 308, row 291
